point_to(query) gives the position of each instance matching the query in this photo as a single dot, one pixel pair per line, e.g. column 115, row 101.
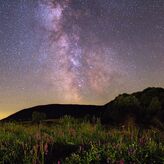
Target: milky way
column 78, row 51
column 78, row 61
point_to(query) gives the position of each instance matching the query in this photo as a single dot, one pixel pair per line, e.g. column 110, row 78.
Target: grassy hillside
column 72, row 141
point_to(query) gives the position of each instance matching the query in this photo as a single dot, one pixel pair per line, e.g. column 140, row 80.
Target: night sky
column 78, row 51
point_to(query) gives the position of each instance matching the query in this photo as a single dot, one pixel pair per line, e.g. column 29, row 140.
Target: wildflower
column 121, row 161
column 80, row 149
column 142, row 141
column 38, row 136
column 46, row 148
column 123, row 127
column 131, row 151
column 97, row 157
column 72, row 132
column 108, row 160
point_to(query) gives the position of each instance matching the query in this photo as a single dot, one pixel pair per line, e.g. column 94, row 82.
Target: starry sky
column 78, row 51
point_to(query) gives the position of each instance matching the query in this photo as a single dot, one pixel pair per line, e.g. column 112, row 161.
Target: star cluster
column 78, row 51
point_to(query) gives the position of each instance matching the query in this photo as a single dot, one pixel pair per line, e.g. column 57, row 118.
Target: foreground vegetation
column 68, row 140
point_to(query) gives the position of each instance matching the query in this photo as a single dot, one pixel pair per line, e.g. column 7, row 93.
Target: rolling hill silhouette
column 143, row 106
column 54, row 111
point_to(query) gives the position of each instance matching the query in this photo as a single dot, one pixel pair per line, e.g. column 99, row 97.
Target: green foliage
column 74, row 141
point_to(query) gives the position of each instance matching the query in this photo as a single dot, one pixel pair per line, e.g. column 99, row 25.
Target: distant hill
column 145, row 107
column 55, row 111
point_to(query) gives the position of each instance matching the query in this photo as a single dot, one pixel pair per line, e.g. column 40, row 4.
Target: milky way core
column 78, row 63
column 78, row 51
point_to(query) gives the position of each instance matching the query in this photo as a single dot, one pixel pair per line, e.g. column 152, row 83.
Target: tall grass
column 72, row 141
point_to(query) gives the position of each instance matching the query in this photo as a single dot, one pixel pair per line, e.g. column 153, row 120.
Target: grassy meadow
column 74, row 141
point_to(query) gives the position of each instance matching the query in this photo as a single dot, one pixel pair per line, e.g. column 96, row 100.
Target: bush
column 38, row 117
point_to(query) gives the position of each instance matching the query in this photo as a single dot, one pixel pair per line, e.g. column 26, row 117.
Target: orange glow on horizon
column 3, row 115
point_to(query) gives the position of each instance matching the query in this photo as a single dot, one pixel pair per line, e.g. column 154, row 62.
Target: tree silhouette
column 124, row 106
column 38, row 117
column 154, row 106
